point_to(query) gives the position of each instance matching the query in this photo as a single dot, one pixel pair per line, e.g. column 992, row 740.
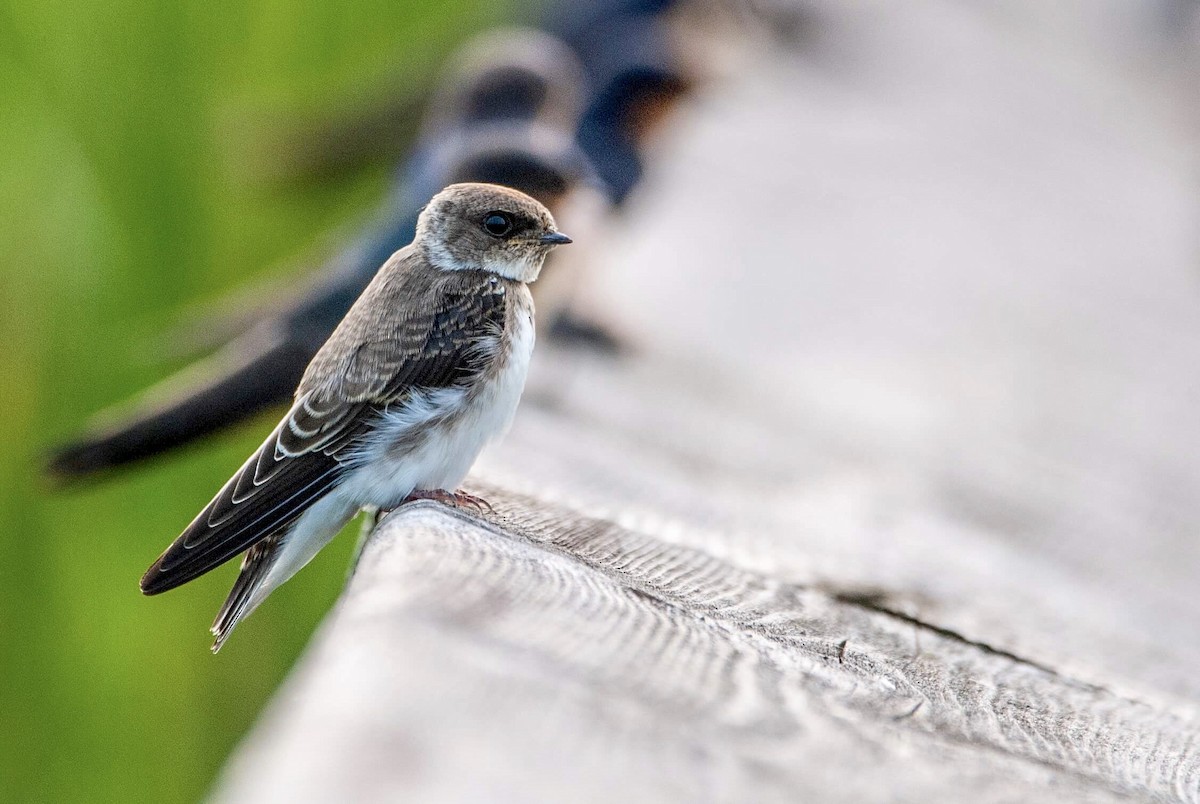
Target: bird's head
column 487, row 227
column 510, row 74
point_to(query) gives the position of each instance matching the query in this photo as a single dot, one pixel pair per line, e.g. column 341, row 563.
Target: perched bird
column 424, row 370
column 505, row 114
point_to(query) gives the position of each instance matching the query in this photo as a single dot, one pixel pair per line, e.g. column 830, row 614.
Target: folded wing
column 296, row 466
column 355, row 377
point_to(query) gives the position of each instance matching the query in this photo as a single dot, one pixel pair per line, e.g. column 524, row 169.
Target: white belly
column 388, row 473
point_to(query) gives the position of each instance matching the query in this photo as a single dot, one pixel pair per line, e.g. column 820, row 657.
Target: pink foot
column 458, row 499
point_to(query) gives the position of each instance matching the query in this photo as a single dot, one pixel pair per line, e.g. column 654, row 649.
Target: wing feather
column 350, row 381
column 267, row 494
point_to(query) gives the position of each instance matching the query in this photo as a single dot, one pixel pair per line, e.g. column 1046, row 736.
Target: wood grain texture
column 899, row 500
column 579, row 659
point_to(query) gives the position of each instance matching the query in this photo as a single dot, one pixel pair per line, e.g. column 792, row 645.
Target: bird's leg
column 459, row 499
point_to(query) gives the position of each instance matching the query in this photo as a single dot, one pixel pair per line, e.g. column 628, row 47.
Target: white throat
column 525, row 270
column 521, row 270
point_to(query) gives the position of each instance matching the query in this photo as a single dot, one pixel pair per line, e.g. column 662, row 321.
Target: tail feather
column 276, row 558
column 242, row 600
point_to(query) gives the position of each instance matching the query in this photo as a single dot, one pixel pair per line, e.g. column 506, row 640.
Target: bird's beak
column 554, row 239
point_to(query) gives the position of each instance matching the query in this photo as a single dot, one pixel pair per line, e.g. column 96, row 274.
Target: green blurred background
column 134, row 135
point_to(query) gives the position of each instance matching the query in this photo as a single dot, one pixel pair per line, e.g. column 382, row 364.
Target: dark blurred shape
column 233, row 392
column 634, row 78
column 509, row 74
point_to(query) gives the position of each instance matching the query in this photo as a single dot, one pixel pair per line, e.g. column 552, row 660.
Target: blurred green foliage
column 127, row 193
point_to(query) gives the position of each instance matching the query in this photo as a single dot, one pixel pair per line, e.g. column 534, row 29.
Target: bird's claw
column 458, row 499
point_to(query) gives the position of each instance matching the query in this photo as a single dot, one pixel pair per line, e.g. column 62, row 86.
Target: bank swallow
column 424, row 370
column 505, row 113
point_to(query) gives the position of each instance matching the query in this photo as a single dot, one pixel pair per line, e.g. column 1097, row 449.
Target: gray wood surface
column 899, row 499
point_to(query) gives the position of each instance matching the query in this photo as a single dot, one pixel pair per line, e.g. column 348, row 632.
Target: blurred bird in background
column 561, row 114
column 634, row 78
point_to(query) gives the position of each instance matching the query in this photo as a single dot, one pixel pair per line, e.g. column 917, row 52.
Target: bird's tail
column 275, row 559
column 256, row 565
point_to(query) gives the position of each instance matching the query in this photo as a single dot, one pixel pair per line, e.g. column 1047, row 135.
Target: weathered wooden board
column 899, row 501
column 558, row 657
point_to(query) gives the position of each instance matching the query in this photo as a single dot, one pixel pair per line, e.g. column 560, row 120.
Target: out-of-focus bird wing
column 230, row 387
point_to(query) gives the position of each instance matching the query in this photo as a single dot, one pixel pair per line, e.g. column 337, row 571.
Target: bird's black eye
column 497, row 224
